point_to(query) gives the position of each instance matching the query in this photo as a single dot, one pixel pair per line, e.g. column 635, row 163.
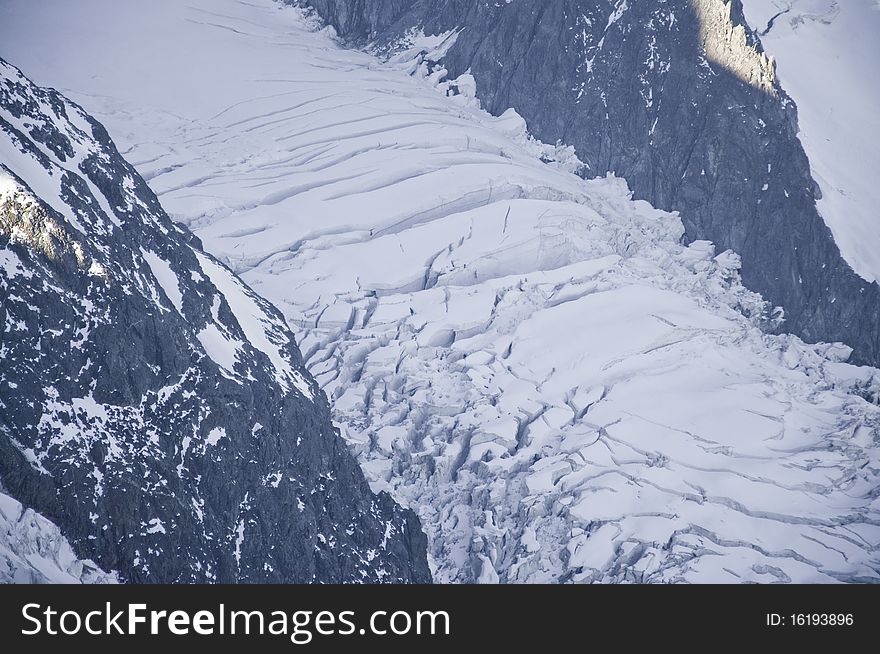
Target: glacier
column 154, row 411
column 682, row 99
column 533, row 362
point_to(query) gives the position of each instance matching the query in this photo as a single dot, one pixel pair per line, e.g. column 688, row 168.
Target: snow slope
column 531, row 361
column 827, row 57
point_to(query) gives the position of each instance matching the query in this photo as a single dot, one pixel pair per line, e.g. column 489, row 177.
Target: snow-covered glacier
column 534, row 363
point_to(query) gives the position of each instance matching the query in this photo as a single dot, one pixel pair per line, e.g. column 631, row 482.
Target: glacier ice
column 533, row 362
column 33, row 550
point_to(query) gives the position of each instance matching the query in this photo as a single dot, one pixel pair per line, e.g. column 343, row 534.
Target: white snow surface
column 828, row 59
column 531, row 361
column 33, row 550
column 166, row 277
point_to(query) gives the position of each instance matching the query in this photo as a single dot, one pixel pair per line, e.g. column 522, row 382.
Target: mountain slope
column 151, row 405
column 677, row 97
column 826, row 54
column 532, row 361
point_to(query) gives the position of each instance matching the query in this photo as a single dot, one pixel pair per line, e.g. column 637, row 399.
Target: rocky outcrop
column 731, row 46
column 678, row 98
column 152, row 406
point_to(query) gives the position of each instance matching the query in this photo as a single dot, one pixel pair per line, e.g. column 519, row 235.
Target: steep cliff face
column 677, row 97
column 151, row 405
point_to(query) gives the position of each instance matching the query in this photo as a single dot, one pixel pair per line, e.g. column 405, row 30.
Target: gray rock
column 151, row 406
column 678, row 98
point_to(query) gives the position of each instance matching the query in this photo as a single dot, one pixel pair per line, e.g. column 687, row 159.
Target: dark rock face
column 678, row 98
column 150, row 404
